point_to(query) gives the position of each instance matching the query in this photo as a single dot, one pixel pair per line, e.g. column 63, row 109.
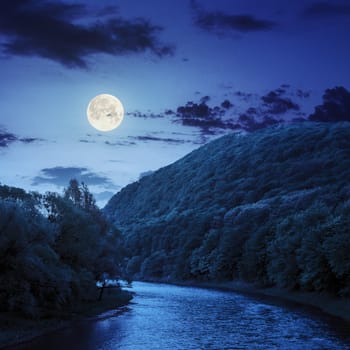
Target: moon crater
column 105, row 112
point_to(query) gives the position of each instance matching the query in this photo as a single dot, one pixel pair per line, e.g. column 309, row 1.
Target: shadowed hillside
column 271, row 207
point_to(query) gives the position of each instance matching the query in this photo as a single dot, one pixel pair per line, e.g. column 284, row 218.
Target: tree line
column 271, row 207
column 53, row 249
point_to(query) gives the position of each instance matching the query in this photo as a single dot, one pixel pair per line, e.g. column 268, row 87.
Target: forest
column 270, row 207
column 53, row 250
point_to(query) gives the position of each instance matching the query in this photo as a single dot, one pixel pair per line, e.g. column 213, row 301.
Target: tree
column 32, row 276
column 86, row 241
column 53, row 249
column 73, row 193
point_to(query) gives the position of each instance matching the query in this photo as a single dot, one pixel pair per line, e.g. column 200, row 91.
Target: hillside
column 271, row 207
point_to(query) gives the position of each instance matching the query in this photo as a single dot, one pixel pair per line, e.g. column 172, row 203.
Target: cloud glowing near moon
column 105, row 112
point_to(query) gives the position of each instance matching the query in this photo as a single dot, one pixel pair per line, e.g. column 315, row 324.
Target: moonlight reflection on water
column 172, row 317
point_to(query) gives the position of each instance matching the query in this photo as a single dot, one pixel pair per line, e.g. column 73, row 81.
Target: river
column 173, row 317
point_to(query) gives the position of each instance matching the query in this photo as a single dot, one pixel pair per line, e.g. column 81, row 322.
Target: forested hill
column 271, row 206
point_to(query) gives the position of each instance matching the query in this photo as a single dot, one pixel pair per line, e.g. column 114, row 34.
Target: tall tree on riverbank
column 53, row 249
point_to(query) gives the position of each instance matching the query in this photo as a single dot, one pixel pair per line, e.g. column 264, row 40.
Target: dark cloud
column 60, row 176
column 86, row 141
column 210, row 120
column 303, row 94
column 335, row 106
column 218, row 21
column 271, row 108
column 120, row 143
column 49, row 30
column 285, row 86
column 30, row 139
column 147, row 138
column 252, row 111
column 138, row 114
column 169, row 112
column 249, row 123
column 226, row 104
column 275, row 107
column 244, row 96
column 7, row 138
column 327, row 9
column 277, row 103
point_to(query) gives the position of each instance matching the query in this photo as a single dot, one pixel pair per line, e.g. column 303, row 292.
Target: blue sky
column 276, row 57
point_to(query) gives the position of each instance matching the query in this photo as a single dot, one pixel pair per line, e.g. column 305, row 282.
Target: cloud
column 30, row 139
column 218, row 21
column 60, row 176
column 244, row 96
column 252, row 112
column 7, row 138
column 327, row 9
column 226, row 104
column 120, row 143
column 249, row 123
column 86, row 141
column 276, row 103
column 303, row 94
column 335, row 106
column 50, row 30
column 138, row 114
column 210, row 120
column 147, row 138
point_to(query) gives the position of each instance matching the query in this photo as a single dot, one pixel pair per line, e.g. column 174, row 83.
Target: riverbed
column 173, row 317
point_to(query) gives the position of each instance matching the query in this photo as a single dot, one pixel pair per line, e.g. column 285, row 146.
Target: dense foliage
column 53, row 249
column 271, row 207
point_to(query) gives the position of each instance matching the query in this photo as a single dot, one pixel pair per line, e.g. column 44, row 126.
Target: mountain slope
column 247, row 206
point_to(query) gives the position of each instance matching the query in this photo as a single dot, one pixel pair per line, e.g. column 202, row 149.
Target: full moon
column 105, row 112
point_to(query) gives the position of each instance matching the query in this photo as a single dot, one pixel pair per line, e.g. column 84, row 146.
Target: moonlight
column 105, row 112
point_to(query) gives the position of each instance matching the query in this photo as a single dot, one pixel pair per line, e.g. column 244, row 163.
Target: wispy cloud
column 86, row 141
column 120, row 143
column 148, row 138
column 218, row 21
column 138, row 114
column 60, row 176
column 324, row 9
column 7, row 138
column 50, row 30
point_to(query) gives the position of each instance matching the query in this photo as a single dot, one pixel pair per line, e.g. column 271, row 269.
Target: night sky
column 185, row 71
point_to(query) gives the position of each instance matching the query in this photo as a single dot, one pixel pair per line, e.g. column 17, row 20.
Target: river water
column 173, row 317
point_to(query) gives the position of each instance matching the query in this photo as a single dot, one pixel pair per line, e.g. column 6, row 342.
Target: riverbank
column 15, row 329
column 336, row 307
